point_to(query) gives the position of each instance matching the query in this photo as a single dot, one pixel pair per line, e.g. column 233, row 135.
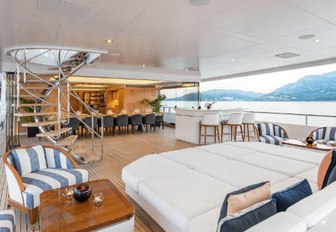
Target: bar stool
column 234, row 121
column 209, row 120
column 249, row 120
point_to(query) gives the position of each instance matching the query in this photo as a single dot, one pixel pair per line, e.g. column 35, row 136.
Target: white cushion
column 147, row 167
column 317, row 206
column 29, row 160
column 184, row 195
column 310, row 175
column 206, row 222
column 327, row 224
column 278, row 164
column 256, row 146
column 280, row 222
column 225, row 150
column 232, row 172
column 306, row 155
column 7, row 220
column 291, row 181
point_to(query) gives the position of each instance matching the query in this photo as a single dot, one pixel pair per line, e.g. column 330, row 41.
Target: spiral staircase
column 47, row 98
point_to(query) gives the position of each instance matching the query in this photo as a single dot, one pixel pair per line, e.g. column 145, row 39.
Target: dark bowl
column 82, row 192
column 310, row 140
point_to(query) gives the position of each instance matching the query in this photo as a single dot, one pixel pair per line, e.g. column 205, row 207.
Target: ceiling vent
column 286, row 55
column 199, row 2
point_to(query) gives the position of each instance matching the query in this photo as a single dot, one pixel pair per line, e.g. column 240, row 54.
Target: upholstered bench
column 7, row 221
column 33, row 170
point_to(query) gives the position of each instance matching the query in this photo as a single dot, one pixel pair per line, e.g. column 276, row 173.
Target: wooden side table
column 114, row 215
column 298, row 143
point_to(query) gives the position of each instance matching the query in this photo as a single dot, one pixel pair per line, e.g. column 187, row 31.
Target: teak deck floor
column 119, row 150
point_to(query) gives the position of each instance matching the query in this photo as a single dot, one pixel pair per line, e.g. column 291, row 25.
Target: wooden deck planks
column 119, row 150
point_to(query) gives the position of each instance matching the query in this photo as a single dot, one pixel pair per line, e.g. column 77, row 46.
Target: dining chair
column 136, row 121
column 159, row 121
column 89, row 122
column 121, row 122
column 107, row 123
column 149, row 120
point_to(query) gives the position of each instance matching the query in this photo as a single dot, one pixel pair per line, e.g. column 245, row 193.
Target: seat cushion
column 37, row 182
column 179, row 198
column 265, row 128
column 147, row 167
column 304, row 155
column 271, row 139
column 256, row 146
column 7, row 221
column 277, row 164
column 29, row 160
column 229, row 171
column 206, row 222
column 225, row 150
column 281, row 222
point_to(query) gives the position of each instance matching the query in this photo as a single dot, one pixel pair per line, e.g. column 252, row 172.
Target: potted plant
column 156, row 103
column 31, row 131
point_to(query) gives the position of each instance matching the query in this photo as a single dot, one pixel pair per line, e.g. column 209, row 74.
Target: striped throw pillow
column 29, row 160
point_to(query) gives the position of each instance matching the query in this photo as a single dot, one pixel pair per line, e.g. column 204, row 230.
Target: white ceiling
column 223, row 38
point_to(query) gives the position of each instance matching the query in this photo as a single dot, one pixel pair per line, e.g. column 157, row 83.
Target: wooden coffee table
column 298, row 143
column 116, row 213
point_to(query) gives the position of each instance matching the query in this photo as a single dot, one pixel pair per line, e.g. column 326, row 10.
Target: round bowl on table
column 82, row 192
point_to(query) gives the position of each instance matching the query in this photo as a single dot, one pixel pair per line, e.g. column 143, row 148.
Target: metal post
column 306, row 120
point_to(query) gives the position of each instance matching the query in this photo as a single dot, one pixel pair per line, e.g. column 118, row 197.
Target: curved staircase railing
column 43, row 89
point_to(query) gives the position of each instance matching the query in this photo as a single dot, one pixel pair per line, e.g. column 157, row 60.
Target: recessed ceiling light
column 109, row 41
column 232, row 59
column 317, row 40
column 143, row 65
column 187, row 69
column 307, row 36
column 114, row 54
column 199, row 2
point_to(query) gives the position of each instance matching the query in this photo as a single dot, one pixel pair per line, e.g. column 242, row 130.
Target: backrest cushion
column 327, row 165
column 247, row 218
column 319, row 133
column 292, row 195
column 244, row 198
column 265, row 128
column 56, row 159
column 330, row 133
column 278, row 131
column 29, row 160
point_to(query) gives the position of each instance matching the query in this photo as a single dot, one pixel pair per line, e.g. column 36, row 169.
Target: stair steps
column 34, row 114
column 30, row 96
column 35, row 88
column 44, row 123
column 33, row 104
column 67, row 141
column 54, row 132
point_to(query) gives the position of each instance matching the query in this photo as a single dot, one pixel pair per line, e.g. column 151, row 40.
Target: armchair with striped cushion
column 7, row 221
column 271, row 133
column 324, row 135
column 33, row 170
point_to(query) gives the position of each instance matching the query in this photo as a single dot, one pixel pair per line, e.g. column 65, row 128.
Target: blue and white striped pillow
column 29, row 160
column 56, row 159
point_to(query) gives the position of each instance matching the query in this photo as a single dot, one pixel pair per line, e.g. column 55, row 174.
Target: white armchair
column 35, row 169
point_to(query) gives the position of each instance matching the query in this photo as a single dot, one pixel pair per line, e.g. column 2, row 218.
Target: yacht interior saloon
column 91, row 138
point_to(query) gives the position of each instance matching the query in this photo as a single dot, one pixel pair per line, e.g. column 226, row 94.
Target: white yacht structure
column 87, row 144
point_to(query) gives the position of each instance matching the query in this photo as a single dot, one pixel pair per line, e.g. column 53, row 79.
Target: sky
column 266, row 83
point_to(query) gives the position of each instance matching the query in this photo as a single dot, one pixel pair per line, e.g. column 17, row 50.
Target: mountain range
column 309, row 88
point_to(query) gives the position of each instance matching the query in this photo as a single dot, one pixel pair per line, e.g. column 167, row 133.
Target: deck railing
column 282, row 117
